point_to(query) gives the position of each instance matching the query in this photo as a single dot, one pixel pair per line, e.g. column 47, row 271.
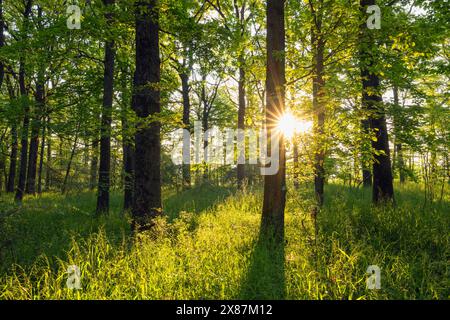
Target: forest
column 224, row 149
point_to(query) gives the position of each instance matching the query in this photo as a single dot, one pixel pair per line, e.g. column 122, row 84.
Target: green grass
column 209, row 247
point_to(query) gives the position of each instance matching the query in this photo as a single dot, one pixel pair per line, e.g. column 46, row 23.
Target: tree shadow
column 195, row 201
column 265, row 278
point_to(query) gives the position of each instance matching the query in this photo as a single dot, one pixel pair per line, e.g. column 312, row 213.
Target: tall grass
column 208, row 247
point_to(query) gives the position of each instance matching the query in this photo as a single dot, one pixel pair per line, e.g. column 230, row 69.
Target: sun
column 289, row 125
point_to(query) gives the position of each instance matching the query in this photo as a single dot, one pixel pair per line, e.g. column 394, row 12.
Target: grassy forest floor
column 209, row 248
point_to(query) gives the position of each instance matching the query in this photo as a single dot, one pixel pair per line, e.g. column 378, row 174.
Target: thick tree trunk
column 382, row 189
column 146, row 102
column 186, row 167
column 105, row 129
column 241, row 125
column 366, row 171
column 275, row 185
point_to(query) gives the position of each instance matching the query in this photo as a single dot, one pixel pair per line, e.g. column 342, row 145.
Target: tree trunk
column 128, row 150
column 2, row 43
column 319, row 108
column 94, row 164
column 146, row 102
column 26, row 117
column 14, row 145
column 41, row 159
column 24, row 136
column 296, row 163
column 399, row 162
column 105, row 128
column 275, row 185
column 12, row 160
column 205, row 125
column 69, row 164
column 34, row 141
column 186, row 167
column 382, row 189
column 48, row 177
column 366, row 172
column 241, row 125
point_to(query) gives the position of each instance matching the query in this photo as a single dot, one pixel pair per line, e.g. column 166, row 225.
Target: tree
column 105, row 128
column 146, row 104
column 26, row 109
column 382, row 189
column 275, row 185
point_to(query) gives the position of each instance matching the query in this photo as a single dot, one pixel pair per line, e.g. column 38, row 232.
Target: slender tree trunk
column 319, row 108
column 26, row 117
column 399, row 162
column 275, row 185
column 34, row 140
column 94, row 164
column 105, row 129
column 205, row 125
column 2, row 43
column 146, row 102
column 128, row 150
column 296, row 163
column 12, row 160
column 14, row 145
column 241, row 125
column 24, row 136
column 69, row 164
column 382, row 189
column 186, row 167
column 48, row 177
column 41, row 158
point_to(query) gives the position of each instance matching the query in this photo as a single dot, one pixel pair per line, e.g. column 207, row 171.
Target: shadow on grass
column 196, row 200
column 265, row 278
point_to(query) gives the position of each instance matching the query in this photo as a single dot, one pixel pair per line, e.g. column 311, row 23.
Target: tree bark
column 34, row 140
column 105, row 128
column 399, row 162
column 26, row 117
column 69, row 164
column 94, row 164
column 41, row 159
column 296, row 163
column 241, row 124
column 24, row 136
column 319, row 108
column 14, row 145
column 275, row 185
column 48, row 177
column 186, row 167
column 2, row 43
column 146, row 102
column 366, row 171
column 382, row 189
column 128, row 150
